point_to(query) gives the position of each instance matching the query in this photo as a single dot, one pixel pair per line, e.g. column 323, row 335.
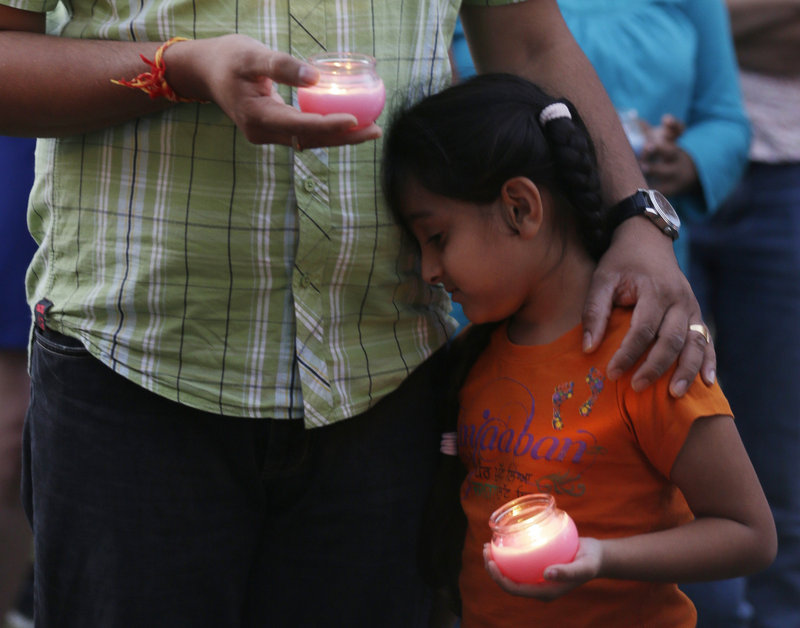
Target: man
column 232, row 418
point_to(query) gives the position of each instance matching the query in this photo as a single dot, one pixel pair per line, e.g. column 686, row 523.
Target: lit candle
column 529, row 534
column 348, row 83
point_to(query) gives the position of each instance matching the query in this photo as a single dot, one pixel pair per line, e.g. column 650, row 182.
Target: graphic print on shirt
column 505, row 437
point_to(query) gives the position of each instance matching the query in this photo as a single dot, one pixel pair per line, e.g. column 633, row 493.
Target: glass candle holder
column 348, row 83
column 529, row 534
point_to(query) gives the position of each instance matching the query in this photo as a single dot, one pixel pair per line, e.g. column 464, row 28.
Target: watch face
column 665, row 209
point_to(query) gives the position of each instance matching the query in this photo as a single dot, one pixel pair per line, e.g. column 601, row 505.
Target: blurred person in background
column 670, row 69
column 16, row 251
column 746, row 271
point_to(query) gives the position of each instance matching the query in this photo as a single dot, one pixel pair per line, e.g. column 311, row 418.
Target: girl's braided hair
column 468, row 140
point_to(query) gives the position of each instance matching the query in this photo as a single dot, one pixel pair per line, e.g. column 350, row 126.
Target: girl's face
column 472, row 250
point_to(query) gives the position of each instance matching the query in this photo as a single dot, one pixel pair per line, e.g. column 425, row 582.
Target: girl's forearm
column 697, row 551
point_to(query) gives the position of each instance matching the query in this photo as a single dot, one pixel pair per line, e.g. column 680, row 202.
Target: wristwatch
column 650, row 203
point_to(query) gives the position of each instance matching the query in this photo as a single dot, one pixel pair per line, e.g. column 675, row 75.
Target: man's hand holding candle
column 240, row 75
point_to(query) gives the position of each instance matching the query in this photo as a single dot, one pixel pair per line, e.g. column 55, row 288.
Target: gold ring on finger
column 701, row 329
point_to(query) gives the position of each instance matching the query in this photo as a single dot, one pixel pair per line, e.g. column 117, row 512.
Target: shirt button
column 309, row 185
column 305, row 281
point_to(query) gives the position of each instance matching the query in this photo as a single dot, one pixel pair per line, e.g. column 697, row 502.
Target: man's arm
column 58, row 85
column 55, row 86
column 640, row 268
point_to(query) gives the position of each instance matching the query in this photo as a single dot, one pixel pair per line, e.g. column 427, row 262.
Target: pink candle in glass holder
column 529, row 534
column 348, row 83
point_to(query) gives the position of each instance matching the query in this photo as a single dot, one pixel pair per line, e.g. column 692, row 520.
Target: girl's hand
column 560, row 579
column 239, row 74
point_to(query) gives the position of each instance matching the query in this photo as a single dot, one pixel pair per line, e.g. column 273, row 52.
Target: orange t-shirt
column 544, row 419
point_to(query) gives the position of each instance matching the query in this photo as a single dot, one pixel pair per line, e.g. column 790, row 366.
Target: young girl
column 498, row 184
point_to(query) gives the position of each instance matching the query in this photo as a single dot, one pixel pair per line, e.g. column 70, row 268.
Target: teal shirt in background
column 676, row 57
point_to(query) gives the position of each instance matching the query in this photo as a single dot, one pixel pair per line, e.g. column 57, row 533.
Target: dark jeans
column 149, row 513
column 746, row 273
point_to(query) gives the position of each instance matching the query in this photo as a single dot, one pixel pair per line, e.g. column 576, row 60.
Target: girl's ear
column 522, row 204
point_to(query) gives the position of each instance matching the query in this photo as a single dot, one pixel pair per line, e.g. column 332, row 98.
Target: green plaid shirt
column 240, row 279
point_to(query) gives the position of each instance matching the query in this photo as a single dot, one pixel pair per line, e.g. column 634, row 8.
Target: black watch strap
column 633, row 205
column 651, row 204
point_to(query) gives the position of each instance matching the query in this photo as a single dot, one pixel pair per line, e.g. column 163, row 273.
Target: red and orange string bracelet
column 154, row 83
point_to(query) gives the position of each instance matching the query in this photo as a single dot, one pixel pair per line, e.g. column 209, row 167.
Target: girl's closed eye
column 426, row 233
column 435, row 239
